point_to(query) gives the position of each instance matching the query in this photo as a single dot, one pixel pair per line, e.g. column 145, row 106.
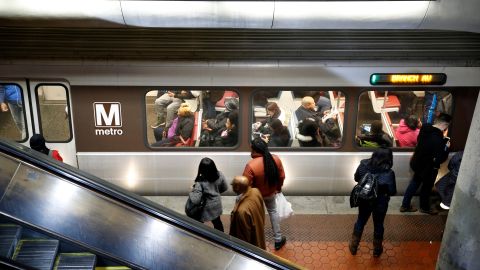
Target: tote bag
column 284, row 208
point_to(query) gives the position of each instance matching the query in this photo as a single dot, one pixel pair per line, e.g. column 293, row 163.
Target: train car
column 102, row 117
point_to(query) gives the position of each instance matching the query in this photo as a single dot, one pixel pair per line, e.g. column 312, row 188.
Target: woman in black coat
column 379, row 164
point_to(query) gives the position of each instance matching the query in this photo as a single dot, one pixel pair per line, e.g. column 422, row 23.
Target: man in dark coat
column 248, row 215
column 446, row 185
column 431, row 151
column 307, row 110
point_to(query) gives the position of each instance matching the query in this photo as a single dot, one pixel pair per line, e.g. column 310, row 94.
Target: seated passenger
column 229, row 135
column 307, row 110
column 183, row 131
column 309, row 134
column 279, row 134
column 376, row 137
column 211, row 127
column 323, row 102
column 273, row 112
column 37, row 142
column 407, row 131
column 329, row 127
column 446, row 185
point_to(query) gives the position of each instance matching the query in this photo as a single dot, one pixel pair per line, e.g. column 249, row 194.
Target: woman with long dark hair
column 380, row 164
column 209, row 183
column 265, row 172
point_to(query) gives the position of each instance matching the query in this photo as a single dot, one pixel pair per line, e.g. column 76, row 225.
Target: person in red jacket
column 37, row 142
column 407, row 131
column 265, row 172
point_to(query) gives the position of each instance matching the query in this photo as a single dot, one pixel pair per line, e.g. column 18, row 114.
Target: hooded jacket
column 406, row 137
column 431, row 150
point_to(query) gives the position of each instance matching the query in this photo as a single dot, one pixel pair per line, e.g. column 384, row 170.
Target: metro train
column 98, row 115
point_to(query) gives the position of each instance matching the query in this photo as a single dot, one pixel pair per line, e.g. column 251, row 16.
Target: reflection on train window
column 192, row 118
column 53, row 113
column 299, row 118
column 12, row 116
column 394, row 118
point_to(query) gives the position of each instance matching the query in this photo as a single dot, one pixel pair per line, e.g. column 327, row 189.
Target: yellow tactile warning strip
column 321, row 242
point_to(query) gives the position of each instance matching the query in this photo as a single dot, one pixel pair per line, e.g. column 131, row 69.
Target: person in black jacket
column 431, row 151
column 446, row 185
column 379, row 164
column 279, row 135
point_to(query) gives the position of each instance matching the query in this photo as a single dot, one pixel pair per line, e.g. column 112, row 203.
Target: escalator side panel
column 39, row 198
column 7, row 171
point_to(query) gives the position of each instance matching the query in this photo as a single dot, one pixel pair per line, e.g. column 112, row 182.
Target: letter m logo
column 107, row 114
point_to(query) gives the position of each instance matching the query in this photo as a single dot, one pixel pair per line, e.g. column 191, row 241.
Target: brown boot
column 377, row 247
column 353, row 245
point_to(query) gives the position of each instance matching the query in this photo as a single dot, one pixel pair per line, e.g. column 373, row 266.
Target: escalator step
column 9, row 235
column 37, row 253
column 68, row 261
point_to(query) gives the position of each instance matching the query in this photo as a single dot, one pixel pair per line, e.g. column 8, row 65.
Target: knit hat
column 37, row 142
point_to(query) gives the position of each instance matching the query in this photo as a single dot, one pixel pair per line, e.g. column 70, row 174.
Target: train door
column 52, row 116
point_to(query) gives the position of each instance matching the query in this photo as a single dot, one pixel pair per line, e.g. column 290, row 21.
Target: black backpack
column 365, row 190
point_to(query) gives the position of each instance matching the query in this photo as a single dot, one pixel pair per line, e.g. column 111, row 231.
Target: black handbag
column 195, row 210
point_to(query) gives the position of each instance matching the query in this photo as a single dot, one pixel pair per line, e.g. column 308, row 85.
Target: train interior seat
column 385, row 103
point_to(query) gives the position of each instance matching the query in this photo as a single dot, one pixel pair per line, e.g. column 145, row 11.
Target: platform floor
column 318, row 234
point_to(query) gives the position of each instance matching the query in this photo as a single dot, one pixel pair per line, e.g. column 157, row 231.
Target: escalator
column 54, row 216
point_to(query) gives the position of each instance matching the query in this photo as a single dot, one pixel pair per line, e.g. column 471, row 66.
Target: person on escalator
column 37, row 142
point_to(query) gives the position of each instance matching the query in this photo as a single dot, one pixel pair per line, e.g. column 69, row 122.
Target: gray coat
column 211, row 190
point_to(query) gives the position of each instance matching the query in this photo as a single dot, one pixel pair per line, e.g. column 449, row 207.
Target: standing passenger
column 380, row 164
column 431, row 151
column 37, row 142
column 11, row 99
column 265, row 172
column 248, row 215
column 209, row 183
column 407, row 131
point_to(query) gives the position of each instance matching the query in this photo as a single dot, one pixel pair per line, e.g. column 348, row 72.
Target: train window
column 393, row 118
column 12, row 116
column 298, row 118
column 53, row 112
column 192, row 118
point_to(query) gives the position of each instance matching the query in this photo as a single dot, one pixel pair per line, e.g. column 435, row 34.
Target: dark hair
column 37, row 142
column 207, row 171
column 272, row 106
column 233, row 117
column 269, row 165
column 276, row 125
column 382, row 158
column 376, row 127
column 443, row 118
column 412, row 122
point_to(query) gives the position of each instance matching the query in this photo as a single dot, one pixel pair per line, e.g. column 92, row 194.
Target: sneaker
column 430, row 211
column 408, row 209
column 279, row 245
column 443, row 206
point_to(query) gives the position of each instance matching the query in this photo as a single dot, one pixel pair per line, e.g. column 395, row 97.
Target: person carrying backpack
column 379, row 168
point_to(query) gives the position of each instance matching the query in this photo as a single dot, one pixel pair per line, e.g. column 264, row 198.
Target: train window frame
column 196, row 146
column 27, row 135
column 397, row 148
column 342, row 141
column 69, row 115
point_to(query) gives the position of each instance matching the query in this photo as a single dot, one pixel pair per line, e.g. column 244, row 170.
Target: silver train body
column 170, row 172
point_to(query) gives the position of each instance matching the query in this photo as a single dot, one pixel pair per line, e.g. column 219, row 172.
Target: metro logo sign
column 108, row 115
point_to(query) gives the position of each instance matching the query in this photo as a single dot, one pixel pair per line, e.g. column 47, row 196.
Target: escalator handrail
column 91, row 182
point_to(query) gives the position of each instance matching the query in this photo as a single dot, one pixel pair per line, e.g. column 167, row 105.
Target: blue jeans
column 378, row 210
column 426, row 178
column 273, row 214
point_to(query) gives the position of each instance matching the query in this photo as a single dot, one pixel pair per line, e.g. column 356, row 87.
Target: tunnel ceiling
column 231, row 44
